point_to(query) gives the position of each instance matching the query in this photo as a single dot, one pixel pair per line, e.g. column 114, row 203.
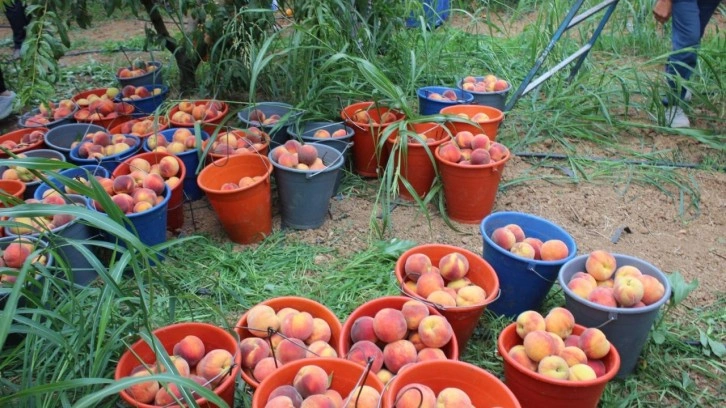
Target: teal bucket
column 305, row 194
column 524, row 282
column 626, row 328
column 85, row 171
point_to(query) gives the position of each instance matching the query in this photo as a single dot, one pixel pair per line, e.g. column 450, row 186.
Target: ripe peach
column 653, row 289
column 536, row 244
column 572, row 340
column 180, row 364
column 321, row 348
column 529, row 321
column 215, row 365
column 480, row 156
column 559, row 343
column 582, row 287
column 297, row 325
column 124, row 202
column 415, row 339
column 416, row 265
column 307, row 154
column 281, row 401
column 498, row 151
column 523, row 249
column 560, row 321
column 554, row 367
column 291, row 349
column 321, row 331
column 573, row 355
column 539, row 344
column 627, row 270
column 310, row 380
column 435, row 331
column 517, row 231
column 335, row 397
column 518, row 354
column 362, row 329
column 458, row 283
column 470, row 295
column 453, row 398
column 504, row 238
column 581, row 372
column 397, row 354
column 384, row 375
column 287, row 390
column 389, row 325
column 167, row 395
column 261, row 318
column 453, row 266
column 442, row 298
column 628, row 290
column 463, row 139
column 600, row 264
column 428, row 283
column 430, row 353
column 143, row 392
column 154, row 182
column 450, row 152
column 364, row 349
column 15, row 254
column 253, row 350
column 598, row 366
column 553, row 250
column 140, row 164
column 265, row 367
column 168, row 166
column 603, row 296
column 142, row 194
column 190, row 348
column 363, row 397
column 416, row 396
column 481, row 141
column 584, row 275
column 594, row 343
column 414, row 311
column 124, row 184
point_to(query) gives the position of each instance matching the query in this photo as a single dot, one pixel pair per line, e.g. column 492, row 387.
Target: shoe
column 688, row 96
column 676, row 118
column 6, row 104
column 16, row 53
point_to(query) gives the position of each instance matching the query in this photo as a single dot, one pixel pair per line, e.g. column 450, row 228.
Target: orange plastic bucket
column 488, row 127
column 15, row 188
column 212, row 336
column 417, row 158
column 469, row 191
column 16, row 135
column 245, row 213
column 124, row 116
column 344, row 376
column 367, row 155
column 208, row 126
column 484, row 389
column 301, row 304
column 175, row 209
column 463, row 319
column 535, row 390
column 370, row 308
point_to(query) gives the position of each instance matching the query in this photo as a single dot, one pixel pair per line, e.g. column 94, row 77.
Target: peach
column 124, row 202
column 627, row 270
column 297, row 325
column 504, row 238
column 628, row 290
column 414, row 311
column 435, row 331
column 144, row 194
column 517, row 231
column 523, row 250
column 364, row 349
column 15, row 254
column 416, row 396
column 321, row 348
column 310, row 380
column 529, row 321
column 573, row 355
column 140, row 164
column 335, row 397
column 307, row 154
column 384, row 375
column 554, row 367
column 463, row 139
column 559, row 343
column 539, row 344
column 167, row 395
column 600, row 264
column 560, row 321
column 453, row 266
column 584, row 275
column 480, row 156
column 168, row 166
column 598, row 366
column 123, row 184
column 582, row 287
column 450, row 152
column 581, row 372
column 318, row 401
column 603, row 296
column 180, row 365
column 453, row 398
column 415, row 339
column 253, row 350
column 190, row 348
column 143, row 392
column 154, row 182
column 281, row 401
column 409, row 286
column 265, row 367
column 653, row 289
column 286, row 390
column 481, row 141
column 470, row 295
column 416, row 265
column 572, row 340
column 362, row 329
column 428, row 283
column 215, row 365
column 498, row 151
column 260, row 319
column 553, row 250
column 363, row 397
column 536, row 244
column 430, row 353
column 291, row 349
column 389, row 325
column 594, row 343
column 398, row 354
column 288, row 160
column 518, row 354
column 321, row 331
column 458, row 283
column 442, row 298
column 608, row 283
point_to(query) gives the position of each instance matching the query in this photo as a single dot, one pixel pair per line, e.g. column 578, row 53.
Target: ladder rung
column 580, row 17
column 585, row 48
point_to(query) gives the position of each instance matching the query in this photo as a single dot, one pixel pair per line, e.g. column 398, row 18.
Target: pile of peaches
column 131, row 197
column 146, row 174
column 394, row 338
column 133, row 93
column 239, row 141
column 472, row 150
column 137, row 69
column 362, row 116
column 609, row 285
column 103, row 109
column 188, row 112
column 258, row 118
column 109, row 94
column 25, row 140
column 192, row 360
column 296, row 335
column 20, row 173
column 511, row 238
column 447, row 95
column 50, row 112
column 141, row 127
column 420, row 395
column 31, row 225
column 296, row 155
column 182, row 140
column 311, row 388
column 14, row 256
column 100, row 144
column 446, row 284
column 549, row 347
column 487, row 83
column 325, row 134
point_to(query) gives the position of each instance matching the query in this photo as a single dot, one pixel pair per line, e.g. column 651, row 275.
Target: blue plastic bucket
column 435, row 12
column 278, row 131
column 149, row 104
column 31, row 186
column 85, row 171
column 427, row 106
column 50, row 125
column 61, row 138
column 109, row 162
column 524, row 282
column 626, row 328
column 150, row 78
column 192, row 192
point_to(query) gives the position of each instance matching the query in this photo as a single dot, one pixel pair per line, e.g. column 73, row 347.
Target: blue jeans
column 689, row 19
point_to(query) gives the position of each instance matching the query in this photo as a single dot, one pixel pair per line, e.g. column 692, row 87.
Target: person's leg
column 15, row 13
column 706, row 10
column 686, row 37
column 3, row 88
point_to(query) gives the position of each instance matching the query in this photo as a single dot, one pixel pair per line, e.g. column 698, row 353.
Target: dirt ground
column 590, row 212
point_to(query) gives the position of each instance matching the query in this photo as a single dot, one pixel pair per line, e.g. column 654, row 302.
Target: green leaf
column 681, row 288
column 717, row 347
column 658, row 337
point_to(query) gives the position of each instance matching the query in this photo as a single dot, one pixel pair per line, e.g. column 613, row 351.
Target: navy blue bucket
column 524, row 282
column 149, row 104
column 428, row 106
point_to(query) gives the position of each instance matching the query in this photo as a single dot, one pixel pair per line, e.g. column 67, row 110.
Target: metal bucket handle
column 530, row 267
column 341, row 157
column 612, row 316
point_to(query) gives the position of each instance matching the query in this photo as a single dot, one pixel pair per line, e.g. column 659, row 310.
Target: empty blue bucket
column 428, row 106
column 32, row 186
column 61, row 138
column 278, row 131
column 626, row 328
column 109, row 162
column 524, row 282
column 149, row 104
column 190, row 158
column 85, row 171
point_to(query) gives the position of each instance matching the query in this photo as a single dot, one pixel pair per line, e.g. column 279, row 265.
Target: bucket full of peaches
column 619, row 293
column 209, row 113
column 49, row 115
column 488, row 90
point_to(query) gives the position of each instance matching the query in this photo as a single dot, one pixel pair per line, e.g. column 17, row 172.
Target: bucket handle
column 612, row 316
column 341, row 157
column 361, row 381
column 439, row 306
column 530, row 267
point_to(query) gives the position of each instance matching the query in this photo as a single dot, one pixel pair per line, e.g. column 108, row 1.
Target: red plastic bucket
column 535, row 390
column 463, row 319
column 123, row 125
column 14, row 188
column 175, row 210
column 367, row 155
column 245, row 213
column 302, row 305
column 489, row 127
column 15, row 137
column 469, row 191
column 418, row 158
column 344, row 376
column 212, row 336
column 483, row 388
column 123, row 116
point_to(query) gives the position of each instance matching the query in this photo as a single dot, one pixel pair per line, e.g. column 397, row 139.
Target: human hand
column 662, row 11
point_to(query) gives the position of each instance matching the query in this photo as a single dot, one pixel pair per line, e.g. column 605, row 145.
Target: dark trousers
column 18, row 20
column 2, row 82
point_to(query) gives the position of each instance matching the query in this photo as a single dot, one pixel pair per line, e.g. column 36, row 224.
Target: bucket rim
column 346, row 116
column 613, row 312
column 492, row 165
column 225, row 161
column 499, row 115
column 467, row 96
column 302, row 128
